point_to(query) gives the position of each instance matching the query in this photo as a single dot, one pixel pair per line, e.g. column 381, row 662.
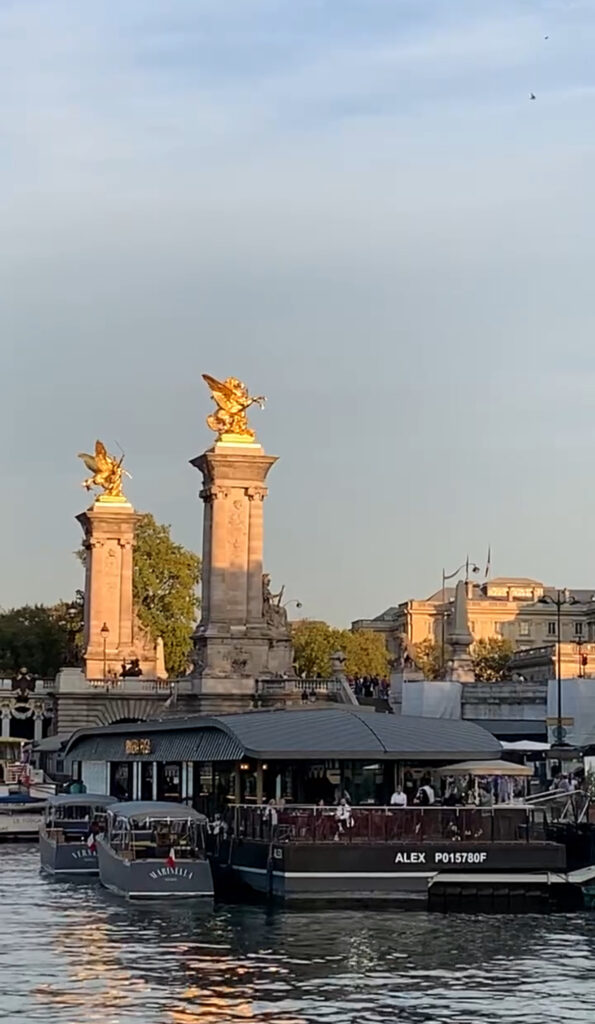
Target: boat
column 67, row 837
column 506, row 857
column 21, row 810
column 154, row 850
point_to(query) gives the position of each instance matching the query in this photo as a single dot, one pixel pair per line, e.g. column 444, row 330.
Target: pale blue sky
column 355, row 207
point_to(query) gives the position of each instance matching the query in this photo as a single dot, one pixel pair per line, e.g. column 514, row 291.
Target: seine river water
column 73, row 954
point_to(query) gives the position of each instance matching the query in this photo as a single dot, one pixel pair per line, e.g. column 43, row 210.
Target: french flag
column 171, row 859
column 91, row 844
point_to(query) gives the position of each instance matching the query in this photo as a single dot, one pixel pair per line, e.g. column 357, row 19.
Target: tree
column 313, row 644
column 427, row 655
column 365, row 652
column 40, row 638
column 165, row 578
column 491, row 657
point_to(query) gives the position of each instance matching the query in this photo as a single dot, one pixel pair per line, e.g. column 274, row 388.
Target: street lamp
column 292, row 600
column 450, row 576
column 561, row 599
column 104, row 635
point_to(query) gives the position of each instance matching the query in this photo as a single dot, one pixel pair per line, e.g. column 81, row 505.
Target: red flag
column 92, row 844
column 171, row 859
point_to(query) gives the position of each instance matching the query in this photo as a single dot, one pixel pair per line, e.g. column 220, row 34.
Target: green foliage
column 315, row 642
column 165, row 577
column 365, row 652
column 427, row 655
column 313, row 645
column 491, row 657
column 39, row 638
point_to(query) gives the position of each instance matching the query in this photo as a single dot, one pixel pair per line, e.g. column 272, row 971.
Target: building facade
column 517, row 609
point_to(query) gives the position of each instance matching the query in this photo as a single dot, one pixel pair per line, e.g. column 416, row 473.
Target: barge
column 434, row 857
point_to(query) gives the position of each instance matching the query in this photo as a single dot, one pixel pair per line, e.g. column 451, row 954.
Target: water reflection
column 73, row 953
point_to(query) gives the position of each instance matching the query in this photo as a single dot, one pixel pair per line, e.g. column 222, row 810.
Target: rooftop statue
column 106, row 470
column 232, row 400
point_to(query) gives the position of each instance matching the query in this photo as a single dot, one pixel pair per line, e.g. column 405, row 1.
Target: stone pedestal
column 239, row 639
column 109, row 527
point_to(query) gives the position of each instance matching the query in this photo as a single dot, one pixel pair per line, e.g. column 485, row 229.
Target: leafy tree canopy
column 427, row 655
column 491, row 657
column 314, row 644
column 365, row 652
column 165, row 578
column 40, row 638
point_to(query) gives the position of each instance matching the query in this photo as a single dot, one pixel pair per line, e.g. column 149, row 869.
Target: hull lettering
column 167, row 872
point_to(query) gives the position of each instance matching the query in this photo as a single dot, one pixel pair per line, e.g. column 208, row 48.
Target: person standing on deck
column 399, row 798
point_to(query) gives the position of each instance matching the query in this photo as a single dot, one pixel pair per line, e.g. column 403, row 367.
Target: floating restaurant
column 298, row 756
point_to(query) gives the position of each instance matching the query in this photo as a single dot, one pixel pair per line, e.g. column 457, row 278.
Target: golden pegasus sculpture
column 232, row 400
column 106, row 471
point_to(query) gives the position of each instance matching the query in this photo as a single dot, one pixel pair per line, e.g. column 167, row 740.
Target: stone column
column 109, row 528
column 231, row 641
column 256, row 496
column 5, row 723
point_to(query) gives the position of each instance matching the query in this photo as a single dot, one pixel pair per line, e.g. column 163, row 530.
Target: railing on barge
column 308, row 824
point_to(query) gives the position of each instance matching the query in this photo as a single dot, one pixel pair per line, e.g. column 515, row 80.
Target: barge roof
column 333, row 733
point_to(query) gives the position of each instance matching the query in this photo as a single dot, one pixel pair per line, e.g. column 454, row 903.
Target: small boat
column 154, row 850
column 67, row 837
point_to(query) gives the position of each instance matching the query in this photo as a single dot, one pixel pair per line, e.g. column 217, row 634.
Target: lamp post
column 450, row 576
column 561, row 599
column 104, row 635
column 292, row 600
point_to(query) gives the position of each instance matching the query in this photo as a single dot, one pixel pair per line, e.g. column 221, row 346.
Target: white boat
column 154, row 850
column 66, row 837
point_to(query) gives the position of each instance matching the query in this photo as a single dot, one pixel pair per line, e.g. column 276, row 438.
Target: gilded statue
column 106, row 471
column 232, row 400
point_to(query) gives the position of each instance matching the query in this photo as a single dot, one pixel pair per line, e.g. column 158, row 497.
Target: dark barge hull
column 425, row 875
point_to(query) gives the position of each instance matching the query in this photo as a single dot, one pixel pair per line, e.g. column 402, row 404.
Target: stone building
column 515, row 608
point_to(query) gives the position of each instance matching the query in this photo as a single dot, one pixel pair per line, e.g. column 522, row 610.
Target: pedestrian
column 343, row 818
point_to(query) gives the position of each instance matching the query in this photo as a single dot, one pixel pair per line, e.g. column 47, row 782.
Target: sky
column 352, row 205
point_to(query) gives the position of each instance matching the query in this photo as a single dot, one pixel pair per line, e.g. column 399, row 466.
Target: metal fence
column 305, row 824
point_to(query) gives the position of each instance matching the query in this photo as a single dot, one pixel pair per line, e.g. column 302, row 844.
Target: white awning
column 486, row 768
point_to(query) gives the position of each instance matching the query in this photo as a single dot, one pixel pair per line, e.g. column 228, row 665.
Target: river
column 71, row 953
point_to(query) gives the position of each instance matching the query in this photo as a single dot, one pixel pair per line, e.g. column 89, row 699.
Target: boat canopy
column 486, row 768
column 156, row 810
column 80, row 800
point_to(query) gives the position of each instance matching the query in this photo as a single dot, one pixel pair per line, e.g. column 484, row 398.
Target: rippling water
column 70, row 953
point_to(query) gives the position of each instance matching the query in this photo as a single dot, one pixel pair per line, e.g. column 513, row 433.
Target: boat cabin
column 68, row 817
column 150, row 831
column 11, row 767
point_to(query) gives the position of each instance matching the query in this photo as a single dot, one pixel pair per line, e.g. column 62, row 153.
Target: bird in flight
column 532, row 96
